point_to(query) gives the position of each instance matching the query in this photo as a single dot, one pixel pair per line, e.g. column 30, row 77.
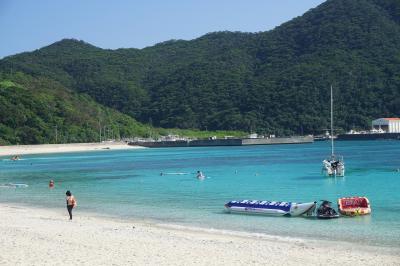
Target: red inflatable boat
column 354, row 206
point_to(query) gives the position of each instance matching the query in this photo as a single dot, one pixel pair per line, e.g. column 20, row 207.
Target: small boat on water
column 354, row 206
column 325, row 211
column 274, row 208
column 334, row 164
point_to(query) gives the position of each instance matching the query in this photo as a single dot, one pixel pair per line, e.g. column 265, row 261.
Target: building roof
column 385, row 121
column 391, row 118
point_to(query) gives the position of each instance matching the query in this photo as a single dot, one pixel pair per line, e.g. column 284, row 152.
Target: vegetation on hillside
column 39, row 110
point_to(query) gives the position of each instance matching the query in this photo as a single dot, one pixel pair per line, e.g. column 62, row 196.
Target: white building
column 253, row 136
column 388, row 125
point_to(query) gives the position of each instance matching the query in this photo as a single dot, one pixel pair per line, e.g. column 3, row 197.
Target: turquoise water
column 128, row 184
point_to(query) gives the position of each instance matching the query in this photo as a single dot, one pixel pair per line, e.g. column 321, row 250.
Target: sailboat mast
column 333, row 152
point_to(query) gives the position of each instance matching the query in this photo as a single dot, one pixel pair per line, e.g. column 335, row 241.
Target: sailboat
column 334, row 164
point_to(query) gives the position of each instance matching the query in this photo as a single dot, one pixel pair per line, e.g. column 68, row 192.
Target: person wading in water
column 71, row 203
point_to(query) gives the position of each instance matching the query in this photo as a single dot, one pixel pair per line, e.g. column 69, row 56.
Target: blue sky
column 28, row 25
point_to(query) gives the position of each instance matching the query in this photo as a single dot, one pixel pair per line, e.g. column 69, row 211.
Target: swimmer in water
column 200, row 175
column 15, row 158
column 51, row 184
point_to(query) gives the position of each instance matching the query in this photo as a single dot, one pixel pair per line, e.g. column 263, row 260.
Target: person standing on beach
column 71, row 203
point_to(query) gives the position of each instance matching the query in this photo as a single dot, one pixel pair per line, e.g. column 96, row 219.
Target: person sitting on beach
column 71, row 203
column 200, row 175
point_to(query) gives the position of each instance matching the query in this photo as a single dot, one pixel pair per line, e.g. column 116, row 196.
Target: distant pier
column 223, row 142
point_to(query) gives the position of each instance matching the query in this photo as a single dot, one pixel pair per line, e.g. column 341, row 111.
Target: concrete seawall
column 375, row 136
column 291, row 140
column 224, row 142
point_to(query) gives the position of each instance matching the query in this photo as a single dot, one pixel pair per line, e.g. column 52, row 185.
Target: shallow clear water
column 129, row 184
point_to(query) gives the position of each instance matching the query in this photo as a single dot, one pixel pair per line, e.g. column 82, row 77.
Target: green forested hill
column 39, row 110
column 273, row 82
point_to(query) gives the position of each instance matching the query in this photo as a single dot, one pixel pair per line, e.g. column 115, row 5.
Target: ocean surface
column 128, row 184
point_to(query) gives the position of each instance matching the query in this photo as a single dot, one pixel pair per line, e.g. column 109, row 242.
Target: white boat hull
column 270, row 208
column 339, row 170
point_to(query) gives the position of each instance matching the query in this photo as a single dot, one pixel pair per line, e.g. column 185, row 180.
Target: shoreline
column 158, row 222
column 63, row 148
column 41, row 236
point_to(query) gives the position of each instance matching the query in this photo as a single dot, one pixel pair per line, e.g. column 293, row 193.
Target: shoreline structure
column 63, row 148
column 38, row 236
column 224, row 142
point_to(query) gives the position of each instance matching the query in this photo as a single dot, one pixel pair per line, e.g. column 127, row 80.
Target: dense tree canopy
column 274, row 82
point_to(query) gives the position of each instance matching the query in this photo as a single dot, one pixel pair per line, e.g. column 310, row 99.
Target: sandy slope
column 31, row 236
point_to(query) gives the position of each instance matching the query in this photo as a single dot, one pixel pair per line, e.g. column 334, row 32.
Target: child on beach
column 71, row 203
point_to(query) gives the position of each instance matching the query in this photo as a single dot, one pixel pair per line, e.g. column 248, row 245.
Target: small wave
column 177, row 173
column 14, row 185
column 365, row 170
column 312, row 177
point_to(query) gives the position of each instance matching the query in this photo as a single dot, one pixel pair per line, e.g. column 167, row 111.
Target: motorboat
column 325, row 211
column 334, row 164
column 273, row 208
column 354, row 206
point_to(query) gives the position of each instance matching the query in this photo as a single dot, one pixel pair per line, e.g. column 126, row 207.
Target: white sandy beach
column 32, row 236
column 61, row 148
